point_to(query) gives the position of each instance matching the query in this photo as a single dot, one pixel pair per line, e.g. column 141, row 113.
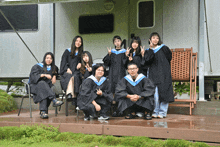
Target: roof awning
column 24, row 2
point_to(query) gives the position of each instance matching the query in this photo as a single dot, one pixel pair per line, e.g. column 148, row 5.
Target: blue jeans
column 161, row 108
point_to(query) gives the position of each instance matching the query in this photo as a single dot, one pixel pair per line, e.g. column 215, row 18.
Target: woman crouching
column 95, row 94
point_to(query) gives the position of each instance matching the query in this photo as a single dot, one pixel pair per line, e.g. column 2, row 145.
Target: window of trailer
column 22, row 17
column 146, row 14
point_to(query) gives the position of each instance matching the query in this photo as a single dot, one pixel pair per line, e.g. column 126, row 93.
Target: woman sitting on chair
column 70, row 68
column 42, row 78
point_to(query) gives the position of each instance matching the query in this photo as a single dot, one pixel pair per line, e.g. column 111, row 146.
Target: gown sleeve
column 107, row 92
column 64, row 62
column 35, row 74
column 167, row 53
column 148, row 88
column 125, row 61
column 120, row 91
column 148, row 57
column 137, row 60
column 56, row 73
column 87, row 93
column 107, row 60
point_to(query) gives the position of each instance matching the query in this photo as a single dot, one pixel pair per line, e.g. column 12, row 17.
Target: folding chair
column 27, row 87
column 184, row 69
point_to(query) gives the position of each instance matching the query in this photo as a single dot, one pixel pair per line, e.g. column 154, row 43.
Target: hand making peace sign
column 142, row 51
column 128, row 51
column 109, row 51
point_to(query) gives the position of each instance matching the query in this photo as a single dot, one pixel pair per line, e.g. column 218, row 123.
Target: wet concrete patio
column 175, row 126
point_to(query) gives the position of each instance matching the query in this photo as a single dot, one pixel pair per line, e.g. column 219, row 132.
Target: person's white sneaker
column 103, row 118
column 154, row 116
column 139, row 114
column 160, row 116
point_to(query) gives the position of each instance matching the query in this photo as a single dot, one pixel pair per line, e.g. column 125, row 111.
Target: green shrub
column 14, row 83
column 7, row 102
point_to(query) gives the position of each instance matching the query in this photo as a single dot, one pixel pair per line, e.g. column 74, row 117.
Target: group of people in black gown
column 147, row 87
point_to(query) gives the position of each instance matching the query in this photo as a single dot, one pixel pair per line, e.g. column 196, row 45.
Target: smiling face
column 133, row 70
column 99, row 72
column 117, row 43
column 78, row 42
column 48, row 59
column 154, row 39
column 85, row 58
column 134, row 45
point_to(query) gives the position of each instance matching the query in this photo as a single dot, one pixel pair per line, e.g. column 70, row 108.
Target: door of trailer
column 145, row 17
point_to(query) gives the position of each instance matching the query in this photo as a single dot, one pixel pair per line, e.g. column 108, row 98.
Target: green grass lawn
column 42, row 136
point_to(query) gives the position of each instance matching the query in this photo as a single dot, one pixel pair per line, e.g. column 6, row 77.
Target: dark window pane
column 96, row 24
column 23, row 17
column 146, row 14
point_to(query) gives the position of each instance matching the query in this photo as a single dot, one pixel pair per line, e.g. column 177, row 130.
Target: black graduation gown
column 88, row 94
column 160, row 73
column 137, row 60
column 142, row 86
column 85, row 75
column 147, row 60
column 40, row 87
column 71, row 63
column 116, row 66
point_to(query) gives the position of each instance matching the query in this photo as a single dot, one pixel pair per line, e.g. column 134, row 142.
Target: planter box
column 186, row 96
column 183, row 96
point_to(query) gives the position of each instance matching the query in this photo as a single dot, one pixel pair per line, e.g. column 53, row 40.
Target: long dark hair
column 53, row 67
column 155, row 34
column 83, row 68
column 122, row 42
column 138, row 50
column 73, row 47
column 96, row 66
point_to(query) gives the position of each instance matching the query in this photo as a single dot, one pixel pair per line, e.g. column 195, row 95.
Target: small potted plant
column 182, row 90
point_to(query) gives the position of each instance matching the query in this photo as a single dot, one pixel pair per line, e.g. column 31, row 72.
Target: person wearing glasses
column 95, row 94
column 135, row 92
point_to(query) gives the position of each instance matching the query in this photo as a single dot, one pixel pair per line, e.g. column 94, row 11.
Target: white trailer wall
column 180, row 23
column 144, row 33
column 66, row 26
column 15, row 59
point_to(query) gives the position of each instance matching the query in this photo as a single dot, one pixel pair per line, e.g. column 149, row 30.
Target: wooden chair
column 184, row 69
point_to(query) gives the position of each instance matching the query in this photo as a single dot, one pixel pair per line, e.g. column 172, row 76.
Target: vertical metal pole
column 201, row 50
column 51, row 29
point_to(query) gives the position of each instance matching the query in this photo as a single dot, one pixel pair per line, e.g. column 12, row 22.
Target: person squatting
column 146, row 89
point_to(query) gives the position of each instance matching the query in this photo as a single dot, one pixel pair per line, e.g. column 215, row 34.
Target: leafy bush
column 7, row 102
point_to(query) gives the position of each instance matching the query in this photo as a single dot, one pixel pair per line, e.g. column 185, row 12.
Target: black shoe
column 130, row 116
column 74, row 102
column 148, row 116
column 43, row 115
column 69, row 96
column 57, row 103
column 116, row 114
column 86, row 117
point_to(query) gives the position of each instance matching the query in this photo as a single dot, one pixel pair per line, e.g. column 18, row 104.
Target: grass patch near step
column 43, row 136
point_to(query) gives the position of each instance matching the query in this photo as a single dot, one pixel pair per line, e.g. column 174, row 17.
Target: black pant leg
column 43, row 105
column 104, row 109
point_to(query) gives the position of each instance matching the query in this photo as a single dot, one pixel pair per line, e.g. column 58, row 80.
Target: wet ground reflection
column 172, row 121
